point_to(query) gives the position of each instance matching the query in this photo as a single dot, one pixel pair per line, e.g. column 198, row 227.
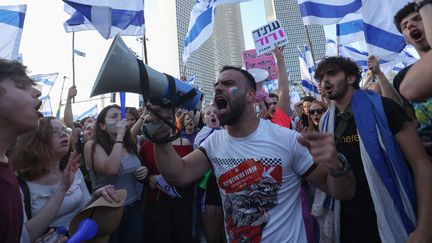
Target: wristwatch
column 419, row 5
column 346, row 167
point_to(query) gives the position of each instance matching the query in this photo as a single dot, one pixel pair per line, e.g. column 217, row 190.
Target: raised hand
column 322, row 148
column 121, row 127
column 70, row 170
column 278, row 53
column 373, row 64
column 154, row 125
column 72, row 92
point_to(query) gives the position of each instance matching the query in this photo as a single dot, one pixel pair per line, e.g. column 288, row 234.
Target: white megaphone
column 121, row 71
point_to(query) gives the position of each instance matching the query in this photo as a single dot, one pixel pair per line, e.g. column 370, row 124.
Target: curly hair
column 333, row 65
column 33, row 151
column 402, row 13
column 182, row 119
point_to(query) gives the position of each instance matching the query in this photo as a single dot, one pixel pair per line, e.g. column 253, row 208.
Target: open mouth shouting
column 39, row 114
column 221, row 103
column 416, row 35
column 328, row 88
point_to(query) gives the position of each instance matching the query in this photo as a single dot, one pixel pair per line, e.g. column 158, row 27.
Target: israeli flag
column 294, row 98
column 11, row 27
column 91, row 112
column 108, row 17
column 307, row 81
column 46, row 79
column 373, row 19
column 201, row 24
column 360, row 56
column 325, row 12
column 350, row 29
column 46, row 108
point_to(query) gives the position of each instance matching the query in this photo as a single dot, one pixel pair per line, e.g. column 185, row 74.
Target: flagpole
column 337, row 40
column 144, row 50
column 73, row 64
column 310, row 45
column 61, row 95
column 312, row 54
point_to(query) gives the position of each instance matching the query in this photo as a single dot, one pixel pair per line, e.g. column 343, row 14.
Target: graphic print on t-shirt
column 250, row 188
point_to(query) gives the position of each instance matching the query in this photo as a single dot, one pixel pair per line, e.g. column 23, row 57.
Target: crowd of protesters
column 350, row 165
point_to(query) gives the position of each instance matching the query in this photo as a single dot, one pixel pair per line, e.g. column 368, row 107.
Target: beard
column 236, row 109
column 338, row 92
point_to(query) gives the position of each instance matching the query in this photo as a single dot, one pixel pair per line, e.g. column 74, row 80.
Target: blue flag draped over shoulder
column 108, row 17
column 11, row 27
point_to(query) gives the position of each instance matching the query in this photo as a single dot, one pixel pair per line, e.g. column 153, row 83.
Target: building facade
column 167, row 25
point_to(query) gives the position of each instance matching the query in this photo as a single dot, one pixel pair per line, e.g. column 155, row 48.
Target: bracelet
column 345, row 166
column 421, row 4
column 118, row 141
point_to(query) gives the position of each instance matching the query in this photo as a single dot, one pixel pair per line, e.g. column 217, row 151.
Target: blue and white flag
column 79, row 53
column 310, row 64
column 46, row 108
column 201, row 24
column 325, row 12
column 46, row 79
column 108, row 17
column 191, row 80
column 91, row 112
column 361, row 57
column 294, row 98
column 350, row 29
column 11, row 27
column 307, row 81
column 375, row 17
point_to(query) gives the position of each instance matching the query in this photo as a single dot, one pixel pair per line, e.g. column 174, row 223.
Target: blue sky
column 253, row 17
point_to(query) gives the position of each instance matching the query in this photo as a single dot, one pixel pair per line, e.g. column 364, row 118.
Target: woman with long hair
column 111, row 157
column 188, row 127
column 316, row 110
column 44, row 159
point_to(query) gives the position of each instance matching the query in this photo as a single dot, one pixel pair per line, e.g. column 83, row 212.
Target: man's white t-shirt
column 259, row 180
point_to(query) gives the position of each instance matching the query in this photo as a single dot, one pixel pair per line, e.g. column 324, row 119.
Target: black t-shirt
column 358, row 218
column 397, row 80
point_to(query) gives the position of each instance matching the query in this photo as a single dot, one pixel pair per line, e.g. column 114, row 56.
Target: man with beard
column 258, row 165
column 19, row 104
column 376, row 136
column 410, row 24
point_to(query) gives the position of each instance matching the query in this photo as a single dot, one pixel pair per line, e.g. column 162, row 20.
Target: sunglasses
column 316, row 111
column 59, row 131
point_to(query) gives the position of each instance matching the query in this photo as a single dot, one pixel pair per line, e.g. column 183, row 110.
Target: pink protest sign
column 265, row 61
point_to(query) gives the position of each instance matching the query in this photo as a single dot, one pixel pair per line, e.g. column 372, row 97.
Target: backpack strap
column 25, row 189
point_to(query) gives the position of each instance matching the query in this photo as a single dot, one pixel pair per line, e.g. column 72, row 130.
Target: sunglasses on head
column 316, row 111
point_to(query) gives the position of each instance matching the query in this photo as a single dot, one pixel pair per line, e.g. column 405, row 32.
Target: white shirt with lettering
column 259, row 180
